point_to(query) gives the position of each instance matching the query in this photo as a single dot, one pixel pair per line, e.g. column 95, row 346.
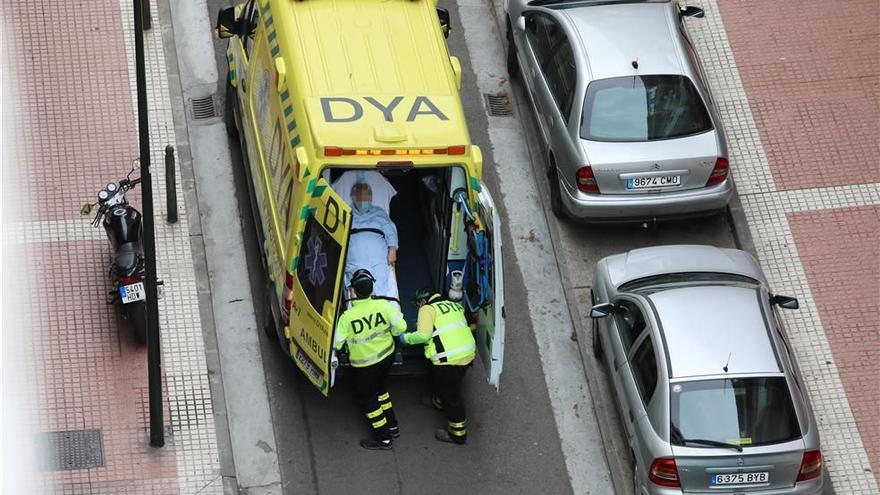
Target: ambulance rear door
column 490, row 317
column 319, row 266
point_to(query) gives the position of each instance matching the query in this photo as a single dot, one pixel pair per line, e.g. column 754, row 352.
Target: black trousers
column 447, row 381
column 373, row 397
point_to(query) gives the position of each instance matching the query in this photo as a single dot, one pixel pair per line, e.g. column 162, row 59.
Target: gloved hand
column 401, row 339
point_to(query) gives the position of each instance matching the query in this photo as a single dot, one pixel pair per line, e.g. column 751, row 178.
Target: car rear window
column 643, row 108
column 743, row 411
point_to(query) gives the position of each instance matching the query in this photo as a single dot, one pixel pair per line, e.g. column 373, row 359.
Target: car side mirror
column 445, row 23
column 86, row 209
column 691, row 11
column 521, row 23
column 225, row 27
column 784, row 301
column 601, row 310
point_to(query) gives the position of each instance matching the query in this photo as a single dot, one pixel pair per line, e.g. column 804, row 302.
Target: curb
column 197, row 247
column 245, row 431
column 736, row 215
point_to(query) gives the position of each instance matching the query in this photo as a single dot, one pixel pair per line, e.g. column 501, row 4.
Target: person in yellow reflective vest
column 368, row 328
column 449, row 344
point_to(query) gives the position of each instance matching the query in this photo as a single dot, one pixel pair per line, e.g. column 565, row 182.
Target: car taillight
column 586, row 181
column 811, row 465
column 128, row 279
column 663, row 472
column 286, row 299
column 719, row 173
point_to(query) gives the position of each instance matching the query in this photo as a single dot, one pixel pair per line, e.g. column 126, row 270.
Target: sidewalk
column 797, row 86
column 70, row 124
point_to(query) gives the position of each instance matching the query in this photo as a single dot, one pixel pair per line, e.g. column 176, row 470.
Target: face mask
column 363, row 206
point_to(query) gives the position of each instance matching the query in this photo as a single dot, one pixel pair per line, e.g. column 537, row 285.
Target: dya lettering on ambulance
column 367, row 322
column 335, row 111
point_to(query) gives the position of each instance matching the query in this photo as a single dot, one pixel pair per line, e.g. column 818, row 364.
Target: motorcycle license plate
column 133, row 292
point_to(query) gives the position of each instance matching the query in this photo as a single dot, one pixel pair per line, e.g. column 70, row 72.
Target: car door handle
column 632, row 417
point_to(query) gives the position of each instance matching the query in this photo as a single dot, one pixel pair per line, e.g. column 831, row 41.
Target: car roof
column 614, row 35
column 706, row 327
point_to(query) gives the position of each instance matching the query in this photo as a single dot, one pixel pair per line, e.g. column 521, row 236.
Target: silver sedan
column 622, row 106
column 705, row 381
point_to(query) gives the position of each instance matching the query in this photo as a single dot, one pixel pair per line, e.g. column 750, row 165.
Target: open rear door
column 318, row 266
column 490, row 317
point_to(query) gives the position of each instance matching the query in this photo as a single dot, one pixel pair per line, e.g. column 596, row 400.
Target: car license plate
column 653, row 182
column 740, row 478
column 133, row 292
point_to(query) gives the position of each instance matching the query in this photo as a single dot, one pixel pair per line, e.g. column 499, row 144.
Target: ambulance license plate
column 133, row 292
column 740, row 478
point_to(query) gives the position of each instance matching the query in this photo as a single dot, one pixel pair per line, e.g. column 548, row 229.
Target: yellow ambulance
column 318, row 88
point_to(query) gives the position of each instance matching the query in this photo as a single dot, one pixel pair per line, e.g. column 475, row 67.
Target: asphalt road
column 513, row 445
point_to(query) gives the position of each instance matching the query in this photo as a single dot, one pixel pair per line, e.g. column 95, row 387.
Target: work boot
column 442, row 435
column 394, row 431
column 371, row 444
column 432, row 401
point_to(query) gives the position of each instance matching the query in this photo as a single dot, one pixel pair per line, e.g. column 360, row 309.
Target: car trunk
column 698, row 467
column 634, row 167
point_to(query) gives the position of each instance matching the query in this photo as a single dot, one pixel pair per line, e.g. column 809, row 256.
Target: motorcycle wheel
column 136, row 313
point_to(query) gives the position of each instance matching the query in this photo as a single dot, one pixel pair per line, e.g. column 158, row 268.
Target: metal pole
column 148, row 19
column 154, row 366
column 170, row 185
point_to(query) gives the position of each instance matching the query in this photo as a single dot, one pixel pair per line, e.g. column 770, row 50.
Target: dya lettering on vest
column 366, row 322
column 447, row 307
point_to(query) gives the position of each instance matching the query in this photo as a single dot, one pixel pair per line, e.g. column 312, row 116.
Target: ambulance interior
column 430, row 227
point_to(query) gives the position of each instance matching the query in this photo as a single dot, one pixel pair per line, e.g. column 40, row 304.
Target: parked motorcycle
column 123, row 226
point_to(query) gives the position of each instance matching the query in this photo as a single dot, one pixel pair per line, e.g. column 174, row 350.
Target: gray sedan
column 622, row 106
column 705, row 381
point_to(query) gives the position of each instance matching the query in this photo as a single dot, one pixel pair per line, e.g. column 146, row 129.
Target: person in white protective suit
column 373, row 242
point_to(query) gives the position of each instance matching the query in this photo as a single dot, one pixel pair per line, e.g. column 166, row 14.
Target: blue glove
column 401, row 339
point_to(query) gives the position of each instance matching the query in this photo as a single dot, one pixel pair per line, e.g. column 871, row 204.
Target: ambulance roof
column 355, row 64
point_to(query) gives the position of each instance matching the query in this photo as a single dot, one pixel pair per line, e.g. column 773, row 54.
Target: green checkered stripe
column 313, row 190
column 275, row 50
column 230, row 62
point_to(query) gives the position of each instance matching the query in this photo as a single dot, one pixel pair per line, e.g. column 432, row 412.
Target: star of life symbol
column 316, row 261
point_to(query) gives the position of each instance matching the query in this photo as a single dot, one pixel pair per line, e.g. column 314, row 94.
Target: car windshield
column 643, row 108
column 739, row 411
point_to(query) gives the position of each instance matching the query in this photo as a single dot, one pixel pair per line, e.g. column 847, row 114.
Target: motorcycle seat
column 126, row 257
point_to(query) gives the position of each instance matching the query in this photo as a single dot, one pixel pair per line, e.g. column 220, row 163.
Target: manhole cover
column 498, row 105
column 203, row 108
column 67, row 450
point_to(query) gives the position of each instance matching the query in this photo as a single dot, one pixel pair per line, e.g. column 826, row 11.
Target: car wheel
column 598, row 351
column 555, row 193
column 636, row 490
column 229, row 110
column 512, row 61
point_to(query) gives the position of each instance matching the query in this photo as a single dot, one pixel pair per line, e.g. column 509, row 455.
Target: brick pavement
column 70, row 128
column 797, row 87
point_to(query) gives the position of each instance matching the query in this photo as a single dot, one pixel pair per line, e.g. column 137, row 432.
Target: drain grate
column 498, row 104
column 68, row 450
column 203, row 108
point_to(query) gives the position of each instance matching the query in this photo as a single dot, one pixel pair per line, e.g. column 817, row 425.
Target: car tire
column 229, row 110
column 598, row 350
column 555, row 193
column 636, row 490
column 512, row 61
